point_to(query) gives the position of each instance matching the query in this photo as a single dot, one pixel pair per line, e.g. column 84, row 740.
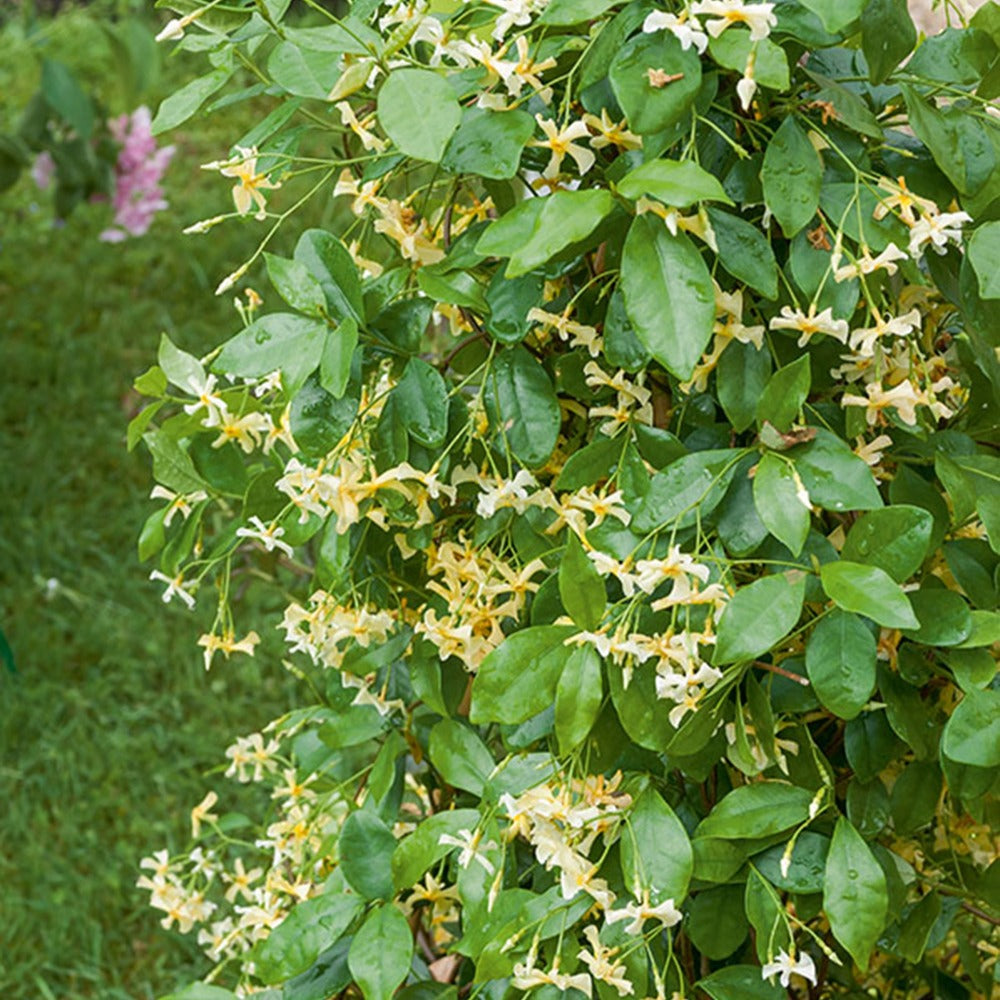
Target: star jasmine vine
column 621, row 463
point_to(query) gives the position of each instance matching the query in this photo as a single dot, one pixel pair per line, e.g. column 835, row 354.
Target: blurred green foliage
column 110, row 723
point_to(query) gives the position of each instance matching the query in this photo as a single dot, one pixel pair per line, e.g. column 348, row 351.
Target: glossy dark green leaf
column 954, row 56
column 518, row 679
column 335, row 361
column 757, row 810
column 687, row 489
column 870, row 744
column 972, row 734
column 460, row 756
column 792, row 175
column 488, row 143
column 579, row 695
column 854, row 893
column 279, row 341
column 580, row 586
column 669, row 296
column 331, row 264
column 758, row 617
column 716, row 922
column 740, row 982
column 680, row 183
column 776, row 497
column 651, row 106
column 318, row 419
column 656, row 851
column 784, row 394
column 867, row 806
column 834, row 476
column 365, row 851
column 293, row 282
column 422, row 398
column 380, row 953
column 895, row 539
column 840, row 659
column 309, row 929
column 419, row 112
column 915, row 796
column 534, row 231
column 744, row 252
column 523, row 406
column 887, row 36
column 944, row 616
column 869, row 591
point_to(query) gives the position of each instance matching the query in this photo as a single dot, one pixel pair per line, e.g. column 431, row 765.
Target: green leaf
column 983, row 252
column 534, row 231
column 567, row 12
column 331, row 264
column 805, row 868
column 381, row 952
column 201, row 991
column 422, row 399
column 523, row 406
column 792, row 176
column 716, row 922
column 915, row 796
column 944, row 616
column 510, row 300
column 840, row 661
column 758, row 617
column 318, row 419
column 894, row 539
column 917, row 927
column 669, row 296
column 183, row 103
column 835, row 478
column 183, row 369
column 740, row 377
column 335, row 361
column 775, row 495
column 678, row 183
column 686, row 490
column 887, row 36
column 311, row 927
column 854, row 893
column 460, row 756
column 579, row 695
column 740, row 982
column 835, row 14
column 650, row 108
column 744, row 252
column 352, row 726
column 972, row 734
column 869, row 591
column 66, row 98
column 458, row 288
column 867, row 806
column 732, row 50
column 293, row 282
column 954, row 56
column 303, row 72
column 581, row 588
column 960, row 145
column 419, row 112
column 365, row 849
column 488, row 143
column 419, row 850
column 518, row 679
column 758, row 810
column 172, row 466
column 282, row 341
column 656, row 851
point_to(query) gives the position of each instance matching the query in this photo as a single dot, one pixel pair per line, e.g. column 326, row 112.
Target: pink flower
column 43, row 170
column 140, row 167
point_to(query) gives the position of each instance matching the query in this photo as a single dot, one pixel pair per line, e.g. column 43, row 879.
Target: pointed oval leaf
column 581, row 588
column 579, row 695
column 868, row 591
column 678, row 183
column 894, row 539
column 854, row 893
column 840, row 661
column 381, row 952
column 419, row 112
column 759, row 617
column 758, row 810
column 523, row 406
column 792, row 176
column 776, row 497
column 656, row 850
column 669, row 296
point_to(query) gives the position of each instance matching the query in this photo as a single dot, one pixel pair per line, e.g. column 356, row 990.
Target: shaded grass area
column 110, row 722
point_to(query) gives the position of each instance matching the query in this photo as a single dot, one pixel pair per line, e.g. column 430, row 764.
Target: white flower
column 937, row 230
column 561, row 143
column 471, row 848
column 788, row 966
column 176, row 587
column 686, row 30
column 810, row 323
column 640, row 912
column 758, row 17
column 269, row 537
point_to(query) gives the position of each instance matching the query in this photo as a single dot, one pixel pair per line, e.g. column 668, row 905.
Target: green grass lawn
column 110, row 723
